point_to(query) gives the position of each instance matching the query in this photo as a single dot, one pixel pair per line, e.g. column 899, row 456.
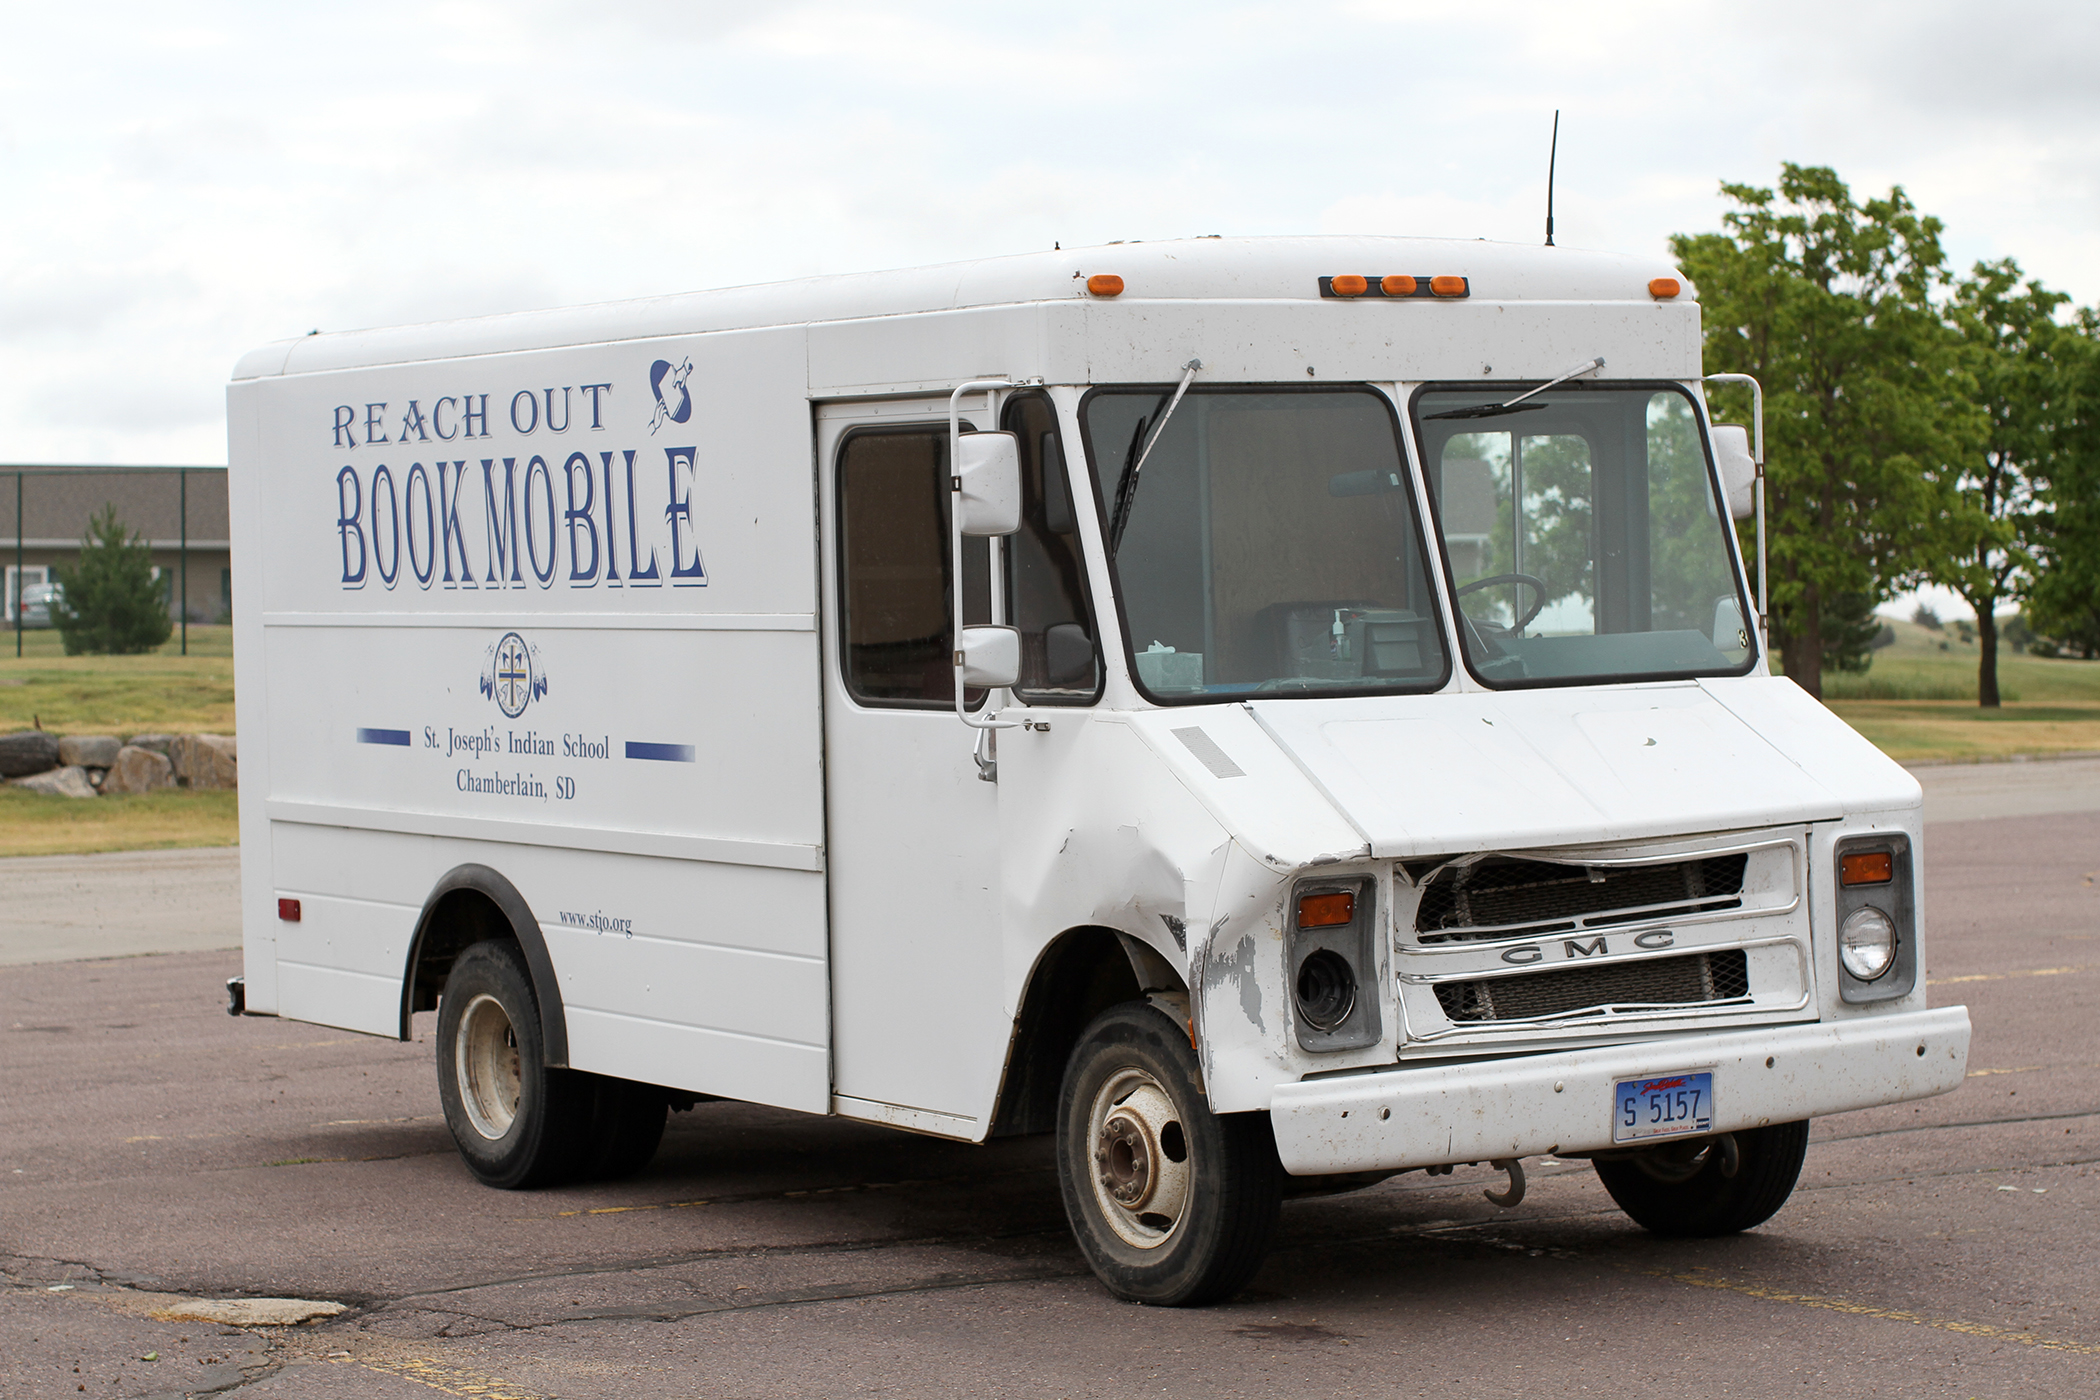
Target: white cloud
column 182, row 189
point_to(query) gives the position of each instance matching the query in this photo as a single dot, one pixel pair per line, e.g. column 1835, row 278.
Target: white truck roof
column 1221, row 270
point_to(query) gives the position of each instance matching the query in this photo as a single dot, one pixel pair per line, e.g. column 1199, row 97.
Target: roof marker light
column 1105, row 284
column 1663, row 288
column 1449, row 286
column 1397, row 285
column 1349, row 285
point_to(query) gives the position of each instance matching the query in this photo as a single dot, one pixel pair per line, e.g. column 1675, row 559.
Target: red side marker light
column 288, row 910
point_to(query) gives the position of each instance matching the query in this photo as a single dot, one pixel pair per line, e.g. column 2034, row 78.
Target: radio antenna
column 1552, row 155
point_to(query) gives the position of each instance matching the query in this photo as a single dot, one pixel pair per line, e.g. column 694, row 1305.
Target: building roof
column 58, row 500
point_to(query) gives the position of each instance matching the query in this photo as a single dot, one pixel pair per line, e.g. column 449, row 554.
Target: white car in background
column 37, row 602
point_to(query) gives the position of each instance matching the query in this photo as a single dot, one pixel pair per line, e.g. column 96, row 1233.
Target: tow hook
column 1515, row 1194
column 1731, row 1156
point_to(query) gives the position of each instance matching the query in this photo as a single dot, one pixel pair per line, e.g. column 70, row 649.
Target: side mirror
column 989, row 656
column 1738, row 468
column 988, row 483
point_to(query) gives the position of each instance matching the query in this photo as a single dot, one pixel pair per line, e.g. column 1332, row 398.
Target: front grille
column 1682, row 981
column 1502, row 895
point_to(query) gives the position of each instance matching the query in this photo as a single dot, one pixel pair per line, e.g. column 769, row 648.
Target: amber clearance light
column 1663, row 288
column 1105, row 284
column 1866, row 868
column 1326, row 910
column 1349, row 284
column 1397, row 285
column 1448, row 286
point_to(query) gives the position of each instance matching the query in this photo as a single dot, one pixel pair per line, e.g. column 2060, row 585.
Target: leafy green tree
column 111, row 602
column 2011, row 347
column 1829, row 303
column 2063, row 603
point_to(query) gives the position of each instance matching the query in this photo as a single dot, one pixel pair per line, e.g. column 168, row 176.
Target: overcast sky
column 184, row 182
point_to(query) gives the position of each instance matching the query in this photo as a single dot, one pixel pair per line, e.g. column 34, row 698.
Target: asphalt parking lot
column 154, row 1152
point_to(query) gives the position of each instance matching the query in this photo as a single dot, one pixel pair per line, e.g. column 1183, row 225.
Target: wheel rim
column 1139, row 1159
column 487, row 1061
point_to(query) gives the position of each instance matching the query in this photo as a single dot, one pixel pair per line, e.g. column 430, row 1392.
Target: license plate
column 1663, row 1105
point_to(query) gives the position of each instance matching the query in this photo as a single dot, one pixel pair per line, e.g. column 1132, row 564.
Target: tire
column 517, row 1122
column 1129, row 1104
column 1685, row 1195
column 626, row 1126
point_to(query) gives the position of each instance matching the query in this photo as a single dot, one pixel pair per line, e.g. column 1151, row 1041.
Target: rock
column 205, row 761
column 59, row 782
column 89, row 750
column 31, row 751
column 138, row 770
column 158, row 743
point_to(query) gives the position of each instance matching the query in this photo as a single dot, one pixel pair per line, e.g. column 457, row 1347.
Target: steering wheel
column 1535, row 584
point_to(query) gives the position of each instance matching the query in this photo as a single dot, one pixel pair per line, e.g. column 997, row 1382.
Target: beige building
column 44, row 511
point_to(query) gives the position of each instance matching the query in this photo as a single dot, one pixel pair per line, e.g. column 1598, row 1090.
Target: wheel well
column 1082, row 973
column 473, row 903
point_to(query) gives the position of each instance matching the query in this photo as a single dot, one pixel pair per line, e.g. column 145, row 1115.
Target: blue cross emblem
column 513, row 675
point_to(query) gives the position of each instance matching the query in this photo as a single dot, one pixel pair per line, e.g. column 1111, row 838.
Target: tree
column 1829, row 304
column 2064, row 600
column 110, row 602
column 2010, row 347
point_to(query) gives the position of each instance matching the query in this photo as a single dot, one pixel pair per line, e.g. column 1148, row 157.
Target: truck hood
column 1456, row 772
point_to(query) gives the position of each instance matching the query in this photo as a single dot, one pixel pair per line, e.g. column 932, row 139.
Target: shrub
column 111, row 603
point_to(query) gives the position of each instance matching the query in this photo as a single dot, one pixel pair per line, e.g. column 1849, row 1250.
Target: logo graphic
column 673, row 403
column 511, row 675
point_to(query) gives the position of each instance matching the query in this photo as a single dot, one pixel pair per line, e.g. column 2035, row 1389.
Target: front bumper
column 1518, row 1107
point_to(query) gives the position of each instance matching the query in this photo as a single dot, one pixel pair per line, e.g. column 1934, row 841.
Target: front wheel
column 1171, row 1204
column 1687, row 1190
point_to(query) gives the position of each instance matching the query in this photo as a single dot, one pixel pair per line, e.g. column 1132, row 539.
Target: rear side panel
column 553, row 613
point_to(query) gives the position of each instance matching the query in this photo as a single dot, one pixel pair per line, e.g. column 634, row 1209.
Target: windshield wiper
column 1517, row 404
column 1142, row 442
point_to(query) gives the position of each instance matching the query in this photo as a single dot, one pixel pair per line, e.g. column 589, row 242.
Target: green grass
column 159, row 692
column 35, row 824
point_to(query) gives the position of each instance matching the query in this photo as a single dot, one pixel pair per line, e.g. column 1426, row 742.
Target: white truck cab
column 1273, row 712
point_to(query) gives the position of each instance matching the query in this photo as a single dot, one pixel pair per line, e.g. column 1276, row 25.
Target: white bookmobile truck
column 1272, row 712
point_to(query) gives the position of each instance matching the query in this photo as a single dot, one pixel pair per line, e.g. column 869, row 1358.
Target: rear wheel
column 1171, row 1203
column 517, row 1122
column 1687, row 1190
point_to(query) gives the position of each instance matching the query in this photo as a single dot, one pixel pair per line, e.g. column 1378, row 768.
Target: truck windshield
column 1271, row 544
column 1582, row 534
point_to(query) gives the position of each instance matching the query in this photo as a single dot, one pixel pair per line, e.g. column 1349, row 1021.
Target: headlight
column 1867, row 943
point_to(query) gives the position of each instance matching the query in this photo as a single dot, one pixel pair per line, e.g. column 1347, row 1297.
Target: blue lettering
column 389, row 572
column 532, row 548
column 635, row 572
column 424, row 564
column 412, row 422
column 472, row 413
column 681, row 508
column 345, row 425
column 564, row 412
column 594, row 390
column 503, row 524
column 348, row 521
column 437, row 424
column 612, row 551
column 532, row 402
column 575, row 513
column 448, row 522
column 374, row 412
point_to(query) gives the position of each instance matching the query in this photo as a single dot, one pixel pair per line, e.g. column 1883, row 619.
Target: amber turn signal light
column 1349, row 285
column 1105, row 284
column 1326, row 910
column 1663, row 288
column 1866, row 868
column 1448, row 286
column 1397, row 285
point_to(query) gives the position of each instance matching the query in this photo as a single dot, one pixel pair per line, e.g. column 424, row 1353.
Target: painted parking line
column 2017, row 1336
column 2001, row 976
